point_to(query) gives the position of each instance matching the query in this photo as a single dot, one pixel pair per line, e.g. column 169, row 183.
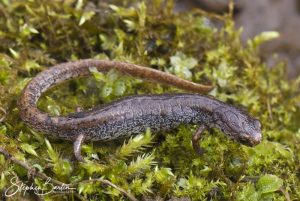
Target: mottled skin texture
column 134, row 114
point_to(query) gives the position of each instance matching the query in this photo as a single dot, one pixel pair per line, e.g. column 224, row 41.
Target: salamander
column 134, row 114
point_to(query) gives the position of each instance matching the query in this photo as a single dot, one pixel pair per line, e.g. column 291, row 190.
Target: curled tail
column 65, row 71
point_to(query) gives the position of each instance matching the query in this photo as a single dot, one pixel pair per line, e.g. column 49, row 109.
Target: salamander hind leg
column 195, row 139
column 77, row 147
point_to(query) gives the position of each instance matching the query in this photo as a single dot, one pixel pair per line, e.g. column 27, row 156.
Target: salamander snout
column 250, row 133
column 240, row 126
column 255, row 139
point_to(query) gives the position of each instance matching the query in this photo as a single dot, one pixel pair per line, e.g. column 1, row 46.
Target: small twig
column 27, row 167
column 4, row 114
column 285, row 193
column 211, row 15
column 104, row 181
column 269, row 109
column 43, row 176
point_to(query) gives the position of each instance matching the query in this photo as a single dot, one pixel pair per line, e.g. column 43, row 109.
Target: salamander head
column 238, row 125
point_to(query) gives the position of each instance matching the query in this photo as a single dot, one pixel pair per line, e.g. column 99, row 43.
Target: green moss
column 36, row 34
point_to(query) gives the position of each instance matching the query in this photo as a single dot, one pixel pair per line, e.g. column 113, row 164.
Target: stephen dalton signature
column 48, row 187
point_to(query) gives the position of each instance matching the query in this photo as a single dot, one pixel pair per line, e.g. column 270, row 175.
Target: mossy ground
column 36, row 34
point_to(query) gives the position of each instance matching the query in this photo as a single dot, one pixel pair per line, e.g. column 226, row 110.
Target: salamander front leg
column 196, row 137
column 77, row 147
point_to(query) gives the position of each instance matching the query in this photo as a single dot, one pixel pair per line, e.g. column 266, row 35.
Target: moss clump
column 36, row 34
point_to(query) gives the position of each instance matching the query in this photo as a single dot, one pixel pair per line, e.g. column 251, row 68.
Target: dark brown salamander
column 134, row 114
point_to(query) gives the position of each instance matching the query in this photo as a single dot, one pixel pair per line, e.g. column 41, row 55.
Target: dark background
column 256, row 16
